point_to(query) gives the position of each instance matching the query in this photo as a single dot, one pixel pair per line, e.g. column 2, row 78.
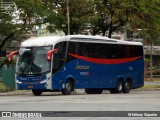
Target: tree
column 148, row 20
column 6, row 27
column 109, row 15
column 16, row 25
column 37, row 12
column 79, row 10
column 102, row 15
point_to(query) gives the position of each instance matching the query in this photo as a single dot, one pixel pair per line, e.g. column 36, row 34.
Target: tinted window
column 101, row 50
column 59, row 57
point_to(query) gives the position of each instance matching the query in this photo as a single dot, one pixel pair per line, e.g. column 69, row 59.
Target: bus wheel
column 93, row 91
column 127, row 87
column 36, row 92
column 119, row 87
column 68, row 88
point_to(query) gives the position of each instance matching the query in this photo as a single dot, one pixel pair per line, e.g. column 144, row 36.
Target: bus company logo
column 85, row 73
column 82, row 67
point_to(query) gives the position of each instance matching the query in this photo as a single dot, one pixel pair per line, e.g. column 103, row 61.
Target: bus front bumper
column 30, row 85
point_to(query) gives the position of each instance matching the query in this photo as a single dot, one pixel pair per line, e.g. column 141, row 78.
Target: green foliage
column 101, row 15
column 146, row 17
column 29, row 13
column 147, row 60
column 79, row 12
column 3, row 61
column 2, row 87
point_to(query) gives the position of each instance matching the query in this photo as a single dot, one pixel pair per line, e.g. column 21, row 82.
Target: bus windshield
column 33, row 60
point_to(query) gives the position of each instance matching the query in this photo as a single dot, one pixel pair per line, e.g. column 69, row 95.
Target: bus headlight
column 19, row 82
column 43, row 81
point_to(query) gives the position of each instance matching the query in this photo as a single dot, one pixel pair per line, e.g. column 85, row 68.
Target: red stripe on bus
column 105, row 61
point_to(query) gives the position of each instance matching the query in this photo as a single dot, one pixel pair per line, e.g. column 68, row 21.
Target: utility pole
column 125, row 32
column 68, row 17
column 151, row 63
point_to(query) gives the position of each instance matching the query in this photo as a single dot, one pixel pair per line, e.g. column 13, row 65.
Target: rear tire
column 68, row 88
column 36, row 92
column 118, row 89
column 127, row 87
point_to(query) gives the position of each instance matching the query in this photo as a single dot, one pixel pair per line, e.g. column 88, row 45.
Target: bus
column 66, row 63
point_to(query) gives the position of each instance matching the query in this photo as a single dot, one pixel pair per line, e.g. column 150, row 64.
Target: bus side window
column 99, row 51
column 59, row 57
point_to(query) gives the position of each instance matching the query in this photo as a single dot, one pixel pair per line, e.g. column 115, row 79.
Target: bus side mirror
column 49, row 54
column 11, row 55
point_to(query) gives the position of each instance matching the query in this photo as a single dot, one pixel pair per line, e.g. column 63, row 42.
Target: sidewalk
column 152, row 83
column 19, row 92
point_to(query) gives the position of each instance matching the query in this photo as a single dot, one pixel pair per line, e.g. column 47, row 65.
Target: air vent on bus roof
column 91, row 39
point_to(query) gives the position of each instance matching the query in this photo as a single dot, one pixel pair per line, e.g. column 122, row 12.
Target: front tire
column 36, row 92
column 68, row 88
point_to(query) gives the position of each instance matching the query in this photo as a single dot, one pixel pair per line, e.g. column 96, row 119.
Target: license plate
column 30, row 87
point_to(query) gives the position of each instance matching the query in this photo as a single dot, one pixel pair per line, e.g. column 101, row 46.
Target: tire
column 127, row 87
column 94, row 91
column 68, row 88
column 36, row 92
column 118, row 89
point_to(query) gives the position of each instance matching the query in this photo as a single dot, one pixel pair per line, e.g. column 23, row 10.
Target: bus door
column 58, row 63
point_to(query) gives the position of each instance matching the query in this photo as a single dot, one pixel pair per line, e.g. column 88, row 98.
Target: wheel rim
column 68, row 87
column 127, row 85
column 120, row 86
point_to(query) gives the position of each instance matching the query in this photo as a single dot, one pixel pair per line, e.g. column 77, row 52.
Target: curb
column 79, row 92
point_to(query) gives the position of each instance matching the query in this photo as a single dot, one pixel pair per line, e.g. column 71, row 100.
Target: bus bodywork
column 93, row 63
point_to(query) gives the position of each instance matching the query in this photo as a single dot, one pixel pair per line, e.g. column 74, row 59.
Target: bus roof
column 52, row 40
column 42, row 41
column 101, row 39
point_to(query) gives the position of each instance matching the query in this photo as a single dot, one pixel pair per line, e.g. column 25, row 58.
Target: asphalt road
column 134, row 101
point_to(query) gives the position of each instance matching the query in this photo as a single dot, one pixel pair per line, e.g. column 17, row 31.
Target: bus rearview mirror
column 11, row 55
column 49, row 54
